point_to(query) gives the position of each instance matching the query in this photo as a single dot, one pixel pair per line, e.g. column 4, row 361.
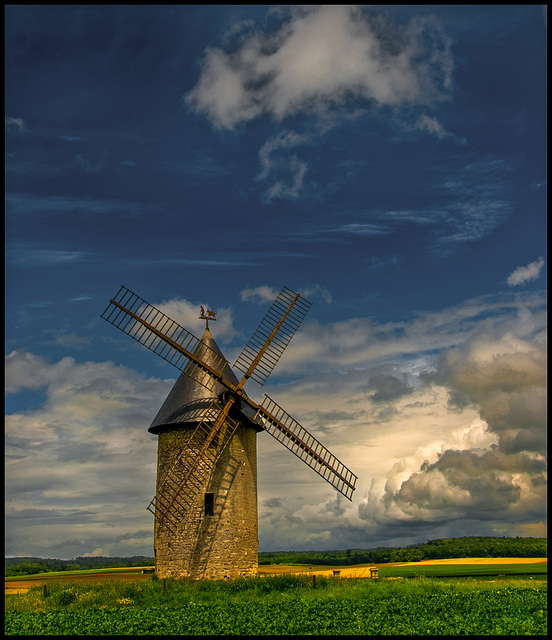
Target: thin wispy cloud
column 525, row 274
column 40, row 206
column 14, row 123
column 472, row 199
column 19, row 255
column 328, row 64
column 286, row 172
column 265, row 294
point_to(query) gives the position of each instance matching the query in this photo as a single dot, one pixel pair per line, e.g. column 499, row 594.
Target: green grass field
column 288, row 604
column 464, row 570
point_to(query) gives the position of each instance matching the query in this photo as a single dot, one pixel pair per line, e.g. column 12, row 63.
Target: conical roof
column 188, row 400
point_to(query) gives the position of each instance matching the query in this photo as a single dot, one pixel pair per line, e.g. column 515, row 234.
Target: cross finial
column 207, row 315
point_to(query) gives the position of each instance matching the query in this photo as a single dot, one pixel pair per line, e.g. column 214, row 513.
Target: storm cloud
column 503, row 475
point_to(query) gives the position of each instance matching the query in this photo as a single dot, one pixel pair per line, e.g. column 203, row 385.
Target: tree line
column 32, row 565
column 467, row 547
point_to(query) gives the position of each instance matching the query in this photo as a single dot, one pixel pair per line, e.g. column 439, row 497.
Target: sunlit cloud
column 441, row 417
column 65, row 459
column 188, row 314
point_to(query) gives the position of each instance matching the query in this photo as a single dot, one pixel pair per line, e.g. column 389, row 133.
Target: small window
column 209, row 504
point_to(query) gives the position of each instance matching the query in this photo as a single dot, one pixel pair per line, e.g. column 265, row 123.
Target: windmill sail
column 165, row 337
column 305, row 446
column 168, row 339
column 262, row 352
column 192, row 466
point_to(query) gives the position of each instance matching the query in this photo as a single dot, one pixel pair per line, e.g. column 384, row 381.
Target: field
column 503, row 596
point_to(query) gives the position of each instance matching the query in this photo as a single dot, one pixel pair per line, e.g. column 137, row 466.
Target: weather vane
column 207, row 315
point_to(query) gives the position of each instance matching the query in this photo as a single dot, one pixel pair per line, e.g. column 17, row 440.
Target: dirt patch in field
column 23, row 585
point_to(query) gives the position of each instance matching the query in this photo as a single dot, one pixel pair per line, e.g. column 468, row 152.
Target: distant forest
column 26, row 566
column 468, row 547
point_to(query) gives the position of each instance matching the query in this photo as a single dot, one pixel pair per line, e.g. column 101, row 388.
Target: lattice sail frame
column 165, row 337
column 152, row 328
column 191, row 467
column 305, row 446
column 264, row 349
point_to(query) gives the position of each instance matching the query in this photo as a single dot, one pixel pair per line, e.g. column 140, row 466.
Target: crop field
column 290, row 602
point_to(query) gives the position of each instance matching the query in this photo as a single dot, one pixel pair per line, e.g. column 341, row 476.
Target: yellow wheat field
column 363, row 570
column 355, row 571
column 481, row 561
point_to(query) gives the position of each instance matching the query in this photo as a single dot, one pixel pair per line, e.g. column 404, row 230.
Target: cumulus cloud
column 446, row 441
column 80, row 470
column 525, row 274
column 187, row 314
column 496, row 474
column 320, row 58
column 442, row 417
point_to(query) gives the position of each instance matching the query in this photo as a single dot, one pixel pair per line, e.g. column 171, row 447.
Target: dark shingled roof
column 188, row 400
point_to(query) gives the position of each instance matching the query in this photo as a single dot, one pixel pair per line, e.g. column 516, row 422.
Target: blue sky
column 388, row 162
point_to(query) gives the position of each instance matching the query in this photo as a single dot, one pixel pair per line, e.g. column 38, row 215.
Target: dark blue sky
column 387, row 162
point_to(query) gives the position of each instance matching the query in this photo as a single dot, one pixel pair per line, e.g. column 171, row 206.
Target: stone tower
column 215, row 533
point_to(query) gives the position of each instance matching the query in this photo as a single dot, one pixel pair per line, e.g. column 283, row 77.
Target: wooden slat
column 264, row 349
column 305, row 446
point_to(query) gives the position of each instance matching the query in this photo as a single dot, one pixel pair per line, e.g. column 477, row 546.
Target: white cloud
column 522, row 275
column 436, row 449
column 25, row 371
column 317, row 61
column 263, row 293
column 260, row 294
column 442, row 417
column 313, row 292
column 188, row 313
column 80, row 470
column 325, row 65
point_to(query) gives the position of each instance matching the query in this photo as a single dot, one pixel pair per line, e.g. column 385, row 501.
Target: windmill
column 205, row 505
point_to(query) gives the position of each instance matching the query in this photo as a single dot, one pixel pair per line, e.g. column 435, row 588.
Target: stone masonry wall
column 222, row 545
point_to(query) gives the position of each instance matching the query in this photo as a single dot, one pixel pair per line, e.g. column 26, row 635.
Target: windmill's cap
column 189, row 400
